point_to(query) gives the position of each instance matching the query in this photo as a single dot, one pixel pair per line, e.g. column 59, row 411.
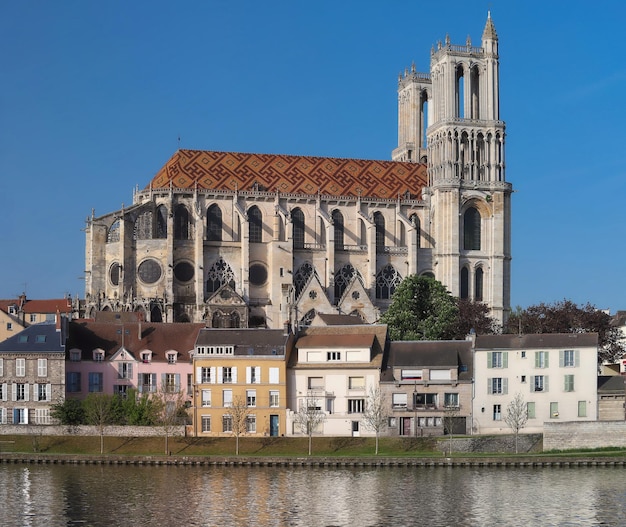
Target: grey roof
column 611, row 383
column 537, row 340
column 253, row 341
column 339, row 320
column 38, row 338
column 430, row 354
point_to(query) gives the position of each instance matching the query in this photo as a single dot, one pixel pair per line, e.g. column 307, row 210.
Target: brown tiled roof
column 158, row 338
column 51, row 305
column 537, row 340
column 291, row 174
column 339, row 320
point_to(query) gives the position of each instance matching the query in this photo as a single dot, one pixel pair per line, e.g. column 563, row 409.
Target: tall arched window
column 471, row 230
column 297, row 217
column 464, row 283
column 343, row 277
column 478, row 285
column 338, row 227
column 387, row 280
column 255, row 219
column 182, row 227
column 379, row 222
column 161, row 222
column 214, row 224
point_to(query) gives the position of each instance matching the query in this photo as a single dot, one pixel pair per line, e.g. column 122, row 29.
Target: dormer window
column 171, row 357
column 146, row 357
column 98, row 355
column 75, row 355
column 333, row 355
column 12, row 310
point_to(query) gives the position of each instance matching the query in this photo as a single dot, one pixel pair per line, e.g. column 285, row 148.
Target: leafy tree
column 239, row 415
column 516, row 416
column 473, row 315
column 99, row 412
column 68, row 412
column 309, row 416
column 376, row 416
column 421, row 309
column 568, row 317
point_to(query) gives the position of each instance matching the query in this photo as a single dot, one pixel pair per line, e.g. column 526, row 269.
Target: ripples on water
column 87, row 495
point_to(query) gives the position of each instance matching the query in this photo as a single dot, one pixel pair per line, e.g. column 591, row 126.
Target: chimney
column 58, row 321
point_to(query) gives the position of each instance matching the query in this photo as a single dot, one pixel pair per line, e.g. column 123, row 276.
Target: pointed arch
column 464, row 293
column 114, row 232
column 182, row 223
column 297, row 218
column 471, row 229
column 142, row 229
column 338, row 229
column 161, row 222
column 379, row 222
column 307, row 318
column 415, row 221
column 387, row 279
column 301, row 277
column 343, row 278
column 220, row 274
column 255, row 219
column 214, row 223
column 478, row 284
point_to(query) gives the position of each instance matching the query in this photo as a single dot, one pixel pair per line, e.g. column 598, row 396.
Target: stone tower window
column 161, row 222
column 214, row 224
column 297, row 217
column 338, row 228
column 182, row 225
column 478, row 285
column 471, row 230
column 255, row 217
column 379, row 222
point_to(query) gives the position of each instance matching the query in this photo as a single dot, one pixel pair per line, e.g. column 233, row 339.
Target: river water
column 92, row 495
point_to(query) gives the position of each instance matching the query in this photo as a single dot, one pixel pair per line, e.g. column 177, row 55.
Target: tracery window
column 387, row 280
column 226, row 320
column 182, row 225
column 297, row 217
column 343, row 277
column 143, row 226
column 214, row 224
column 301, row 277
column 338, row 228
column 471, row 230
column 255, row 218
column 114, row 232
column 219, row 274
column 307, row 318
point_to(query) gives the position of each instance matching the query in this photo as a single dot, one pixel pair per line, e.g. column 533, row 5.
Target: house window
column 1, row 367
column 73, row 381
column 569, row 383
column 274, row 398
column 333, row 355
column 542, row 359
column 274, row 375
column 497, row 359
column 43, row 392
column 227, row 423
column 146, row 357
column 9, row 326
column 125, row 370
column 21, row 392
column 451, row 400
column 42, row 367
column 227, row 375
column 20, row 416
column 75, row 356
column 399, row 400
column 425, row 400
column 253, row 374
column 42, row 416
column 316, row 383
column 523, row 354
column 251, row 398
column 171, row 358
column 497, row 386
column 98, row 356
column 569, row 358
column 530, row 410
column 147, row 382
column 251, row 424
column 172, row 382
column 206, row 398
column 356, row 406
column 497, row 412
column 554, row 410
column 33, row 318
column 120, row 389
column 356, row 383
column 411, row 375
column 95, row 382
column 582, row 408
column 20, row 367
column 228, row 398
column 3, row 392
column 539, row 383
column 189, row 384
column 205, row 375
column 206, row 423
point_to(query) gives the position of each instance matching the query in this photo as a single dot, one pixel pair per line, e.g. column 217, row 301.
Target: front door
column 405, row 426
column 273, row 425
column 355, row 429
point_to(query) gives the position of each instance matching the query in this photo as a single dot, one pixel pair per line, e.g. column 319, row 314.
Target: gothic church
column 262, row 240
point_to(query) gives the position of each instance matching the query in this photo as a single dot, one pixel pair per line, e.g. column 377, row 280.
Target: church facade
column 262, row 240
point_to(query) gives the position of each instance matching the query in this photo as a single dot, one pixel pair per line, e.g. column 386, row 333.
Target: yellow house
column 240, row 372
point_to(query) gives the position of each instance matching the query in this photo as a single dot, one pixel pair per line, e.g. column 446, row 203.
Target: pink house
column 114, row 357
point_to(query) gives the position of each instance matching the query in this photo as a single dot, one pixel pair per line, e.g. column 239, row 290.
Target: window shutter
column 25, row 416
column 163, row 381
column 274, row 376
column 26, row 390
column 177, row 381
column 577, row 358
column 505, row 359
column 198, row 374
column 5, row 395
column 234, row 370
column 505, row 385
column 489, row 359
column 547, row 362
column 532, row 383
column 545, row 383
column 489, row 386
column 537, row 355
column 248, row 375
column 3, row 416
column 561, row 358
column 48, row 392
column 213, row 377
column 14, row 392
column 220, row 374
column 257, row 374
column 35, row 392
column 130, row 371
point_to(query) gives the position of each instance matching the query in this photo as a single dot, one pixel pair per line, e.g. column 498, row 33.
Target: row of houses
column 335, row 365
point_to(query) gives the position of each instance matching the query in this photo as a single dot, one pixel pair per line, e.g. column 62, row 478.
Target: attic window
column 415, row 375
column 98, row 356
column 40, row 338
column 146, row 357
column 75, row 356
column 171, row 357
column 22, row 338
column 12, row 310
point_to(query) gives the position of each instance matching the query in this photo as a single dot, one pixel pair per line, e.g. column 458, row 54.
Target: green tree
column 68, row 412
column 421, row 309
column 568, row 317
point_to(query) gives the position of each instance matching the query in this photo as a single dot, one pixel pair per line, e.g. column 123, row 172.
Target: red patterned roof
column 291, row 174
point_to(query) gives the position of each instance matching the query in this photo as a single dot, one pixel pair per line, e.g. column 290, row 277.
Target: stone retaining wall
column 583, row 434
column 84, row 430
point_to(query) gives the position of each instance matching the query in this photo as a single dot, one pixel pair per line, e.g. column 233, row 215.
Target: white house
column 556, row 374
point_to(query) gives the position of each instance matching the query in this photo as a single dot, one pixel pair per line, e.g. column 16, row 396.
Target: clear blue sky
column 94, row 96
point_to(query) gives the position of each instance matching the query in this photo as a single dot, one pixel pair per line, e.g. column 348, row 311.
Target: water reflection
column 273, row 496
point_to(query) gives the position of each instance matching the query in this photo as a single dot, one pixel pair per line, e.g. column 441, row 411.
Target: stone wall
column 497, row 444
column 83, row 430
column 583, row 434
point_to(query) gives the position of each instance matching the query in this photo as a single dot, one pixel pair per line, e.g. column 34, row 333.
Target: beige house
column 556, row 374
column 19, row 313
